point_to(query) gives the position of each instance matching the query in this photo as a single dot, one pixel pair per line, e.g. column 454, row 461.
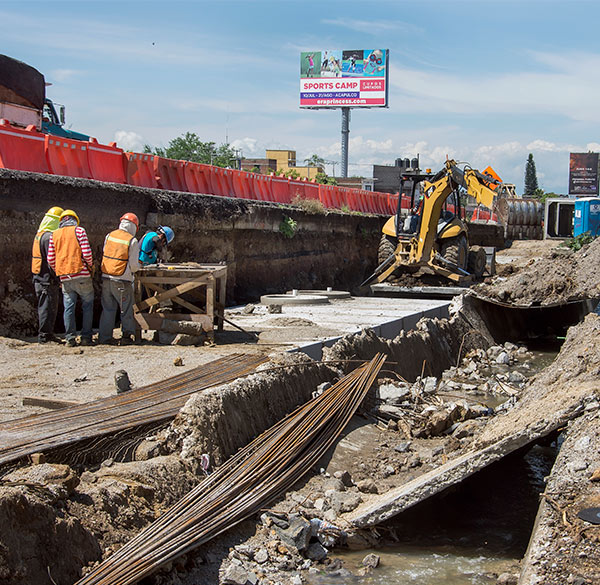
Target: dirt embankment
column 560, row 275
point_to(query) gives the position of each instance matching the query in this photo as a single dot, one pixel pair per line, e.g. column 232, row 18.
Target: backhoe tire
column 387, row 246
column 477, row 261
column 456, row 250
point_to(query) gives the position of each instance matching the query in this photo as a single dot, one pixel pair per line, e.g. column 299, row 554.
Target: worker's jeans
column 47, row 298
column 116, row 294
column 71, row 289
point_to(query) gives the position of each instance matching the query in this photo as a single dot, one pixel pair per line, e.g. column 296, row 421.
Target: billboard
column 583, row 173
column 335, row 79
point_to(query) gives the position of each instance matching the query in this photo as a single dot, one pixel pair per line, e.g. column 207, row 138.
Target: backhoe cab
column 433, row 235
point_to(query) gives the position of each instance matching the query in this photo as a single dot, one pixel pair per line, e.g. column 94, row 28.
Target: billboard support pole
column 345, row 134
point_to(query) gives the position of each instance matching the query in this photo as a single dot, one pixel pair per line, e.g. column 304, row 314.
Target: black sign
column 583, row 173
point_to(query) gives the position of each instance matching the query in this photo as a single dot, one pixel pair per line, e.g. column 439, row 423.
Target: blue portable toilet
column 587, row 216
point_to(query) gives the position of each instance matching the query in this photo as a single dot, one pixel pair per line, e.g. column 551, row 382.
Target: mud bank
column 245, row 235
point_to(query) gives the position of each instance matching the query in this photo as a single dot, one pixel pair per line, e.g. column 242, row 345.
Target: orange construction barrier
column 22, row 150
column 170, row 173
column 106, row 162
column 280, row 190
column 221, row 181
column 197, row 178
column 311, row 190
column 242, row 185
column 326, row 195
column 296, row 189
column 67, row 157
column 261, row 187
column 140, row 170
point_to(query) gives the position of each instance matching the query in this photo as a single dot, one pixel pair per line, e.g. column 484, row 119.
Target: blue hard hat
column 169, row 233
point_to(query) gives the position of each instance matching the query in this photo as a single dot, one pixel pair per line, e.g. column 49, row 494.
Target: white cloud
column 129, row 140
column 249, row 147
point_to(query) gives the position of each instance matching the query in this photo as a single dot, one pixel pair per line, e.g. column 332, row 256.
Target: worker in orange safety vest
column 45, row 282
column 119, row 264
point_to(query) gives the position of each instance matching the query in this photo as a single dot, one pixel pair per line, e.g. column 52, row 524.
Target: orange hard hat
column 132, row 217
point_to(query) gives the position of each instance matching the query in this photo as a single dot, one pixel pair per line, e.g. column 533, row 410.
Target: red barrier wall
column 22, row 150
column 170, row 173
column 140, row 170
column 67, row 157
column 280, row 190
column 106, row 163
column 197, row 178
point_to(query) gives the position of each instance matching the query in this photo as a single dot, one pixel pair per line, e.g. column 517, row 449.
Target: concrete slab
column 309, row 328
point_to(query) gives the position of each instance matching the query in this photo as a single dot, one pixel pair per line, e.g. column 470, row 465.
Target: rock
column 414, row 461
column 430, row 385
column 388, row 411
column 261, row 556
column 316, row 552
column 508, row 346
column 122, row 382
column 334, row 484
column 271, row 519
column 273, row 309
column 345, row 502
column 183, row 339
column 466, row 429
column 321, row 504
column 235, row 575
column 371, row 560
column 297, row 535
column 494, row 351
column 367, row 486
column 37, row 458
column 507, row 579
column 245, row 550
column 330, row 515
column 178, row 361
column 438, row 423
column 403, row 447
column 502, row 358
column 393, row 393
column 296, row 579
column 515, row 377
column 392, row 425
column 147, row 450
column 344, row 477
column 248, row 309
column 595, row 475
column 47, row 474
column 388, row 470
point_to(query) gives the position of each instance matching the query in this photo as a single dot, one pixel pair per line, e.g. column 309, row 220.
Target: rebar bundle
column 267, row 467
column 155, row 402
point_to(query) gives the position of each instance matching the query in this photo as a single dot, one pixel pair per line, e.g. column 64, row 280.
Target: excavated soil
column 560, row 275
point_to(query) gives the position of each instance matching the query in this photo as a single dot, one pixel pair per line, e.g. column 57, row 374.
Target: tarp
column 21, row 84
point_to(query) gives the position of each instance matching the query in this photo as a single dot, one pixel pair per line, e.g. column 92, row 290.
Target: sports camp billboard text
column 334, row 79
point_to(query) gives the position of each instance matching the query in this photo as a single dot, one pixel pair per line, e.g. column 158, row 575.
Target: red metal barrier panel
column 326, row 195
column 106, row 163
column 170, row 173
column 280, row 190
column 197, row 178
column 261, row 187
column 22, row 150
column 67, row 157
column 140, row 170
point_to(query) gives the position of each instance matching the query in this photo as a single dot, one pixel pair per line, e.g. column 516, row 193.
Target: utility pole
column 345, row 135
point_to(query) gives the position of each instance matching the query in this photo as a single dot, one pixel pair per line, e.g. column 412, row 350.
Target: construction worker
column 70, row 256
column 119, row 263
column 45, row 282
column 153, row 244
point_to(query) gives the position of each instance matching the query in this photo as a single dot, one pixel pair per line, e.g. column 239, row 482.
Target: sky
column 481, row 81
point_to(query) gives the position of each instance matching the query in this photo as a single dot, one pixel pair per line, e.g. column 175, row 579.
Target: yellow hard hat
column 55, row 211
column 70, row 213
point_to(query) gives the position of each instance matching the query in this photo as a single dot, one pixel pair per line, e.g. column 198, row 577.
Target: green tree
column 324, row 179
column 531, row 182
column 315, row 161
column 189, row 147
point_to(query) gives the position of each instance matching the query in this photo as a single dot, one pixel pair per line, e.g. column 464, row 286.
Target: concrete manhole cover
column 294, row 299
column 330, row 294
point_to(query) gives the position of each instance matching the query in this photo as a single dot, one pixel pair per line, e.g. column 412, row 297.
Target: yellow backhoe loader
column 433, row 235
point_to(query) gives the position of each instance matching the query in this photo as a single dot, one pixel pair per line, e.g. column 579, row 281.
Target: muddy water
column 467, row 535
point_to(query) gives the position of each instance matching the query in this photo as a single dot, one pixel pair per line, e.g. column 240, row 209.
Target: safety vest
column 116, row 253
column 36, row 254
column 67, row 250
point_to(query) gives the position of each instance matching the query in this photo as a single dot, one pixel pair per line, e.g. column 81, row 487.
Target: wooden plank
column 174, row 279
column 51, row 403
column 176, row 299
column 166, row 294
column 154, row 321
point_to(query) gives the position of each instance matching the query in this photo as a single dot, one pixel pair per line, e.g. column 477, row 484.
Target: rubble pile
column 560, row 276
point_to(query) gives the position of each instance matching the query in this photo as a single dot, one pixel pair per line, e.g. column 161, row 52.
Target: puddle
column 469, row 534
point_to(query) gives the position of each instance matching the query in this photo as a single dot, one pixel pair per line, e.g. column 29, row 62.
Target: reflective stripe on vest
column 116, row 253
column 67, row 250
column 36, row 254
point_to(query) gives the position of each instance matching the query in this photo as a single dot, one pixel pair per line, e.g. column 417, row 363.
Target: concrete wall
column 332, row 249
